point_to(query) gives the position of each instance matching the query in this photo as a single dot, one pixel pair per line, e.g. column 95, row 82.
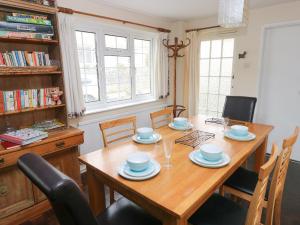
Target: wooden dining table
column 177, row 192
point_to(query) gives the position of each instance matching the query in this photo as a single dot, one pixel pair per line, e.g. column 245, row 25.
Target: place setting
column 210, row 156
column 146, row 135
column 239, row 133
column 139, row 166
column 181, row 124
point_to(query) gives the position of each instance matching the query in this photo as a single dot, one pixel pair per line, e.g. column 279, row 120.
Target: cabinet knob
column 3, row 190
column 60, row 144
column 1, row 160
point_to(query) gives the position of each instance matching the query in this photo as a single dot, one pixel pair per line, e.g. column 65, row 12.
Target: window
column 216, row 62
column 116, row 66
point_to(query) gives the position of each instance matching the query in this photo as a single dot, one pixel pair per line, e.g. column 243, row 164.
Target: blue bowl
column 180, row 122
column 144, row 132
column 138, row 161
column 211, row 152
column 239, row 130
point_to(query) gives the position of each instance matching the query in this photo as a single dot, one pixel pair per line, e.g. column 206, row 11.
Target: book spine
column 2, row 110
column 22, row 15
column 10, row 101
column 19, row 27
column 26, row 98
column 22, row 99
column 16, row 19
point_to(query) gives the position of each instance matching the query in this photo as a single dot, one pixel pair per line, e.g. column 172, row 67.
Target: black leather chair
column 69, row 203
column 239, row 108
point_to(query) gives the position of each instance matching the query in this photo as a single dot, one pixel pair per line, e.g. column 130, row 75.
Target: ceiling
column 175, row 10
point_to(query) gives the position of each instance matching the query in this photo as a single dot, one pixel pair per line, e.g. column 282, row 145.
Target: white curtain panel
column 73, row 88
column 193, row 73
column 161, row 66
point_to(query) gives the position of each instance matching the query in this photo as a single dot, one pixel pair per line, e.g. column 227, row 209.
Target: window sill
column 120, row 106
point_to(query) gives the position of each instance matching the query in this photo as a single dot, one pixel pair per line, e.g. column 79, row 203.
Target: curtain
column 192, row 73
column 161, row 66
column 72, row 79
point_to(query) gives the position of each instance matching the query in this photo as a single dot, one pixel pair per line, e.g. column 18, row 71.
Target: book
column 20, row 27
column 9, row 101
column 1, row 102
column 9, row 145
column 11, row 34
column 23, row 15
column 24, row 136
column 17, row 19
column 24, row 58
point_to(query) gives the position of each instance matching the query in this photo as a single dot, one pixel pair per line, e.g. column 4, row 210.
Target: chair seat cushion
column 245, row 181
column 218, row 210
column 125, row 212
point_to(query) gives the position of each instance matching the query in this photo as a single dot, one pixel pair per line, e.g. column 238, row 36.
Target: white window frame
column 100, row 30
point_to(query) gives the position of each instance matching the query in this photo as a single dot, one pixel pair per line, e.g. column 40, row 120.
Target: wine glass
column 226, row 123
column 168, row 146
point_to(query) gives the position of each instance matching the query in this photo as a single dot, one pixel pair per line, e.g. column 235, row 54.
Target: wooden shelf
column 15, row 74
column 29, row 6
column 28, row 40
column 32, row 109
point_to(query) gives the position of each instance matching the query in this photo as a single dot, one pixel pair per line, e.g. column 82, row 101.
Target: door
column 279, row 97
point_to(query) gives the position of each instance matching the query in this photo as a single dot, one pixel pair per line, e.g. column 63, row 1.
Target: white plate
column 143, row 173
column 157, row 138
column 153, row 174
column 199, row 157
column 230, row 135
column 188, row 127
column 226, row 161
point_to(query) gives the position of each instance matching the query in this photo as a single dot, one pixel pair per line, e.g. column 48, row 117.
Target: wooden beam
column 71, row 11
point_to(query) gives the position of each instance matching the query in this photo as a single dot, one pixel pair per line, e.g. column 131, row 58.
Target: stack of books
column 48, row 125
column 24, row 136
column 24, row 58
column 26, row 26
column 22, row 99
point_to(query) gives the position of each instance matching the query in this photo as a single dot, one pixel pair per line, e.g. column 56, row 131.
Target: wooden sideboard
column 20, row 200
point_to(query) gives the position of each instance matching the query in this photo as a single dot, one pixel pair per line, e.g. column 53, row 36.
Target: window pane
column 203, row 103
column 86, row 50
column 225, row 85
column 214, row 85
column 215, row 67
column 118, row 79
column 204, row 67
column 221, row 103
column 216, row 47
column 204, row 85
column 227, row 67
column 112, row 41
column 142, row 66
column 205, row 49
column 228, row 46
column 213, row 103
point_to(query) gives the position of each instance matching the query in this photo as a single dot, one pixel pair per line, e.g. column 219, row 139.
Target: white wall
column 249, row 39
column 90, row 123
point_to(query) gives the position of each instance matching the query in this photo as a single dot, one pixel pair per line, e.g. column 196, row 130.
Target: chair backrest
column 68, row 202
column 239, row 108
column 257, row 201
column 279, row 176
column 119, row 129
column 161, row 118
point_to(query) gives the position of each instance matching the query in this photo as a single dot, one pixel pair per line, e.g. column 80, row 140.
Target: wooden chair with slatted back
column 110, row 136
column 278, row 181
column 219, row 210
column 239, row 184
column 257, row 201
column 161, row 118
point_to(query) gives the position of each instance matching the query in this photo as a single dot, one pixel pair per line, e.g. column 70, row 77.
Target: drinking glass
column 226, row 123
column 168, row 146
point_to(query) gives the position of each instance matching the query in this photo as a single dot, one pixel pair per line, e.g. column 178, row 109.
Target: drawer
column 42, row 149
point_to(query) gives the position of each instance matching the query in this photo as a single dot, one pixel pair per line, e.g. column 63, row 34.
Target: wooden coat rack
column 175, row 48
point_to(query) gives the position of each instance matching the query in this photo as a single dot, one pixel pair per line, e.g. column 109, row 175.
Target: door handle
column 60, row 144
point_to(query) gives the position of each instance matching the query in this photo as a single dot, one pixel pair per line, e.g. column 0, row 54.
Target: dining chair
column 218, row 210
column 115, row 131
column 242, row 183
column 239, row 108
column 161, row 118
column 68, row 202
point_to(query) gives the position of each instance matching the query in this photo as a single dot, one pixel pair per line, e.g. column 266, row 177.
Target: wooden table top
column 181, row 189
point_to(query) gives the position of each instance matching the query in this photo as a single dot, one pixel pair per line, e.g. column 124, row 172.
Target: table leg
column 96, row 192
column 175, row 221
column 260, row 155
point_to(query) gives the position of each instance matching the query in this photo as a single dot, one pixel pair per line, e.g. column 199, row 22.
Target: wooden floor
column 290, row 208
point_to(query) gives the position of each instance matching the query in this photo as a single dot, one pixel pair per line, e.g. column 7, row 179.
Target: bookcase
column 20, row 200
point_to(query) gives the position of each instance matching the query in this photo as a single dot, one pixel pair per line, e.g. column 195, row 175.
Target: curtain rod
column 71, row 11
column 202, row 28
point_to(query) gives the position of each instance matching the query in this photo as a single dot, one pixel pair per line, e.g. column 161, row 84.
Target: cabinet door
column 65, row 161
column 15, row 192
